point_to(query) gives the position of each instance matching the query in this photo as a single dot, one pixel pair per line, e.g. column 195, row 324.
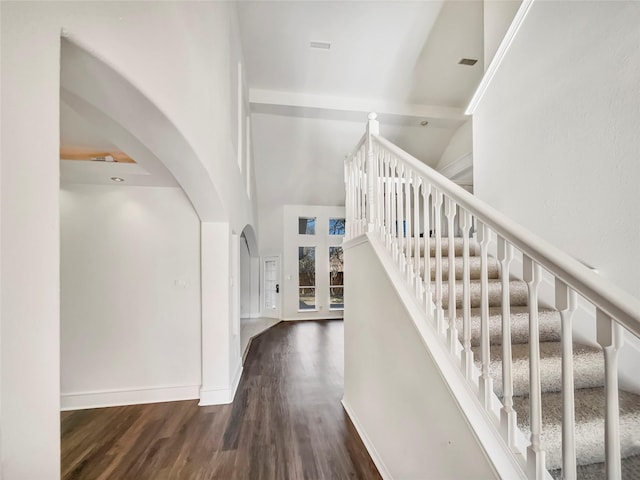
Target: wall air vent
column 320, row 45
column 468, row 61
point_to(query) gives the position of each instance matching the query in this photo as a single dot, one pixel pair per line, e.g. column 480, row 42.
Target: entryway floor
column 286, row 422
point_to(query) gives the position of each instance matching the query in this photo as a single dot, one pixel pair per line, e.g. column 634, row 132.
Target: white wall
column 461, row 144
column 322, row 241
column 414, row 429
column 130, row 295
column 179, row 56
column 556, row 141
column 245, row 280
column 497, row 16
column 556, row 137
column 300, row 161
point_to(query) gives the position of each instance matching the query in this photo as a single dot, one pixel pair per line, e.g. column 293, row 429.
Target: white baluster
column 452, row 333
column 532, row 274
column 401, row 227
column 358, row 193
column 372, row 129
column 387, row 201
column 426, row 212
column 347, row 203
column 394, row 208
column 437, row 207
column 408, row 222
column 566, row 302
column 417, row 183
column 467, row 353
column 610, row 337
column 379, row 192
column 485, row 381
column 507, row 413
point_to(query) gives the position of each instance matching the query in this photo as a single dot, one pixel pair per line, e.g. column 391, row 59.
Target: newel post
column 373, row 128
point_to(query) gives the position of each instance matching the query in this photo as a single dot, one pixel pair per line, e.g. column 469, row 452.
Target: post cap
column 373, row 116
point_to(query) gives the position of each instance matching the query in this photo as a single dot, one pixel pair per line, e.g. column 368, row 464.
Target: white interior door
column 271, row 287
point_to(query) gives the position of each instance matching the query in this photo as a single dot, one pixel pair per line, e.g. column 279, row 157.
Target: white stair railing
column 397, row 200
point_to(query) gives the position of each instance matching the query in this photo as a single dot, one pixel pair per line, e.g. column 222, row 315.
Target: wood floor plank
column 286, row 422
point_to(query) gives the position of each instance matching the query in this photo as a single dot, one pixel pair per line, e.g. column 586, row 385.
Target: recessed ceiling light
column 424, row 123
column 468, row 61
column 117, row 179
column 320, row 45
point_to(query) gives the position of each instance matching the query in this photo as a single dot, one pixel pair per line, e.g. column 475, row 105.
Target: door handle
column 277, row 288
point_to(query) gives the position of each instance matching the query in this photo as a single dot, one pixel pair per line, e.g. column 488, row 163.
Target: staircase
column 543, row 405
column 588, row 368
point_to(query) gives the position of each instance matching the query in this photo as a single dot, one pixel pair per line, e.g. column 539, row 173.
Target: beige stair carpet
column 588, row 367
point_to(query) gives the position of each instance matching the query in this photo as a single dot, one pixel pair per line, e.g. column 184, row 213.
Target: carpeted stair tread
column 589, row 430
column 517, row 292
column 548, row 320
column 588, row 368
column 493, row 268
column 595, row 471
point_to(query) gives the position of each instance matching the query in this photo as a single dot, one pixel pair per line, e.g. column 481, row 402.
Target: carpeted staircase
column 588, row 371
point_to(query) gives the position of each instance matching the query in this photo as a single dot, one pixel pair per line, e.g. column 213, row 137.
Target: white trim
column 311, row 319
column 457, row 167
column 355, row 241
column 221, row 396
column 236, row 381
column 525, row 6
column 373, row 453
column 305, row 104
column 277, row 313
column 132, row 396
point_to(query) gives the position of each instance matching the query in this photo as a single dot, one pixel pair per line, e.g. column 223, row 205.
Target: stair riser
column 474, row 248
column 548, row 320
column 493, row 269
column 517, row 294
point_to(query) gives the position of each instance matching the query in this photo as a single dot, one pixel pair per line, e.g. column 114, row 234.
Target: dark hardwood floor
column 286, row 422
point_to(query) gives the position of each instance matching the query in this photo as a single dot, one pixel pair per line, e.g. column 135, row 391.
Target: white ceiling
column 374, row 45
column 78, row 132
column 393, row 50
column 309, row 107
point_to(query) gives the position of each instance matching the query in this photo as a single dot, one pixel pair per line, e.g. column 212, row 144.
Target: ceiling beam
column 350, row 108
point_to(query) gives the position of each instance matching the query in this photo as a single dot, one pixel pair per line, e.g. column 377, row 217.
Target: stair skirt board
column 588, row 367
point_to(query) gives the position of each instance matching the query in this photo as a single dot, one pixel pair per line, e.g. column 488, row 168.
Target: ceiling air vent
column 320, row 45
column 467, row 61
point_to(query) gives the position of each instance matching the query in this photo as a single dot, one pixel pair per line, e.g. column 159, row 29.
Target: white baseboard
column 115, row 398
column 220, row 396
column 373, row 453
column 323, row 317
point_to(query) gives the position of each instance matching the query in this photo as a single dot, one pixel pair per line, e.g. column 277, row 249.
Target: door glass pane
column 307, row 277
column 306, row 226
column 336, row 266
column 307, row 266
column 336, row 226
column 270, row 280
column 336, row 277
column 307, row 298
column 336, row 297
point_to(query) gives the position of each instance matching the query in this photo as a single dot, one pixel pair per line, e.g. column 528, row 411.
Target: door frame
column 277, row 313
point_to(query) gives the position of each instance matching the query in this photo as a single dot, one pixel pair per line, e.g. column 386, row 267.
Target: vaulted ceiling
column 310, row 105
